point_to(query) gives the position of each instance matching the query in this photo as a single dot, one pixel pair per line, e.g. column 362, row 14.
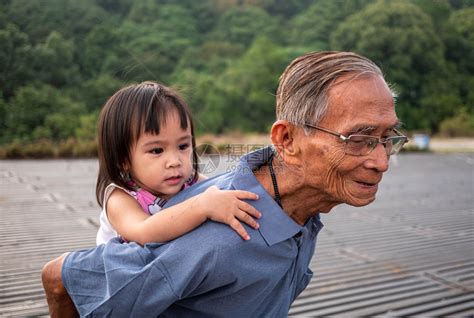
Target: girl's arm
column 225, row 206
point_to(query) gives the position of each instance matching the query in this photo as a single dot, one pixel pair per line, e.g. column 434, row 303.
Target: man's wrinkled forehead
column 361, row 102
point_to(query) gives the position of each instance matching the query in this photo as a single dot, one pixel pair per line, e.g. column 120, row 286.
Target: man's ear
column 283, row 139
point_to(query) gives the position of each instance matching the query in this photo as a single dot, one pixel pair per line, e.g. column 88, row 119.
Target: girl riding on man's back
column 147, row 155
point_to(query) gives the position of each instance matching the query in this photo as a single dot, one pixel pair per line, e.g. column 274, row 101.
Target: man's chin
column 358, row 202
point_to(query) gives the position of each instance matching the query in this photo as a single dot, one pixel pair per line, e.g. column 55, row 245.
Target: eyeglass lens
column 363, row 145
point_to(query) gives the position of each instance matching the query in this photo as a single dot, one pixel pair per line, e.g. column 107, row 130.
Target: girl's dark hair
column 132, row 110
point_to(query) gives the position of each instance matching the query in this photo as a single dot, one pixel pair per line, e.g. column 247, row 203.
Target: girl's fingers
column 244, row 195
column 246, row 218
column 247, row 208
column 235, row 224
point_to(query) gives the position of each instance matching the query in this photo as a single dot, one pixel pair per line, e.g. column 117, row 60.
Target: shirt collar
column 275, row 225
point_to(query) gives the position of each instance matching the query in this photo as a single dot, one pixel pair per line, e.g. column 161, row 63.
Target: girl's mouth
column 173, row 180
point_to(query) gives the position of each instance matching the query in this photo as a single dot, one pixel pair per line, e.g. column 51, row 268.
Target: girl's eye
column 183, row 146
column 156, row 151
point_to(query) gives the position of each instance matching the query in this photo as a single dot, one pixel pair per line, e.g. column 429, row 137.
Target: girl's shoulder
column 111, row 188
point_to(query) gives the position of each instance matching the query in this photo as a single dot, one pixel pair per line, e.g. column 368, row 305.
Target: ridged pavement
column 410, row 253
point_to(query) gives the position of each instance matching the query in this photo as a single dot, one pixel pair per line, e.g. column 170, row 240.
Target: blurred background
column 408, row 254
column 61, row 59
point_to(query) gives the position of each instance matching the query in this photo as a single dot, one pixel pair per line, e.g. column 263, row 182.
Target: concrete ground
column 408, row 254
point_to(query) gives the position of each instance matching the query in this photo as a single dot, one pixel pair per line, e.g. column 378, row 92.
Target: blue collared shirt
column 209, row 272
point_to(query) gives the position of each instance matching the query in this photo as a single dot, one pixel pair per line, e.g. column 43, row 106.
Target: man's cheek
column 334, row 174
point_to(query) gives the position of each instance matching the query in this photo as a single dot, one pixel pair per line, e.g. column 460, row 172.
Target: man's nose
column 378, row 159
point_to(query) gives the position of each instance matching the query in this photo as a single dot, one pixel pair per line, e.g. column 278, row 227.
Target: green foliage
column 53, row 61
column 87, row 128
column 34, row 110
column 401, row 38
column 15, row 58
column 439, row 10
column 70, row 148
column 461, row 125
column 70, row 17
column 248, row 87
column 460, row 39
column 95, row 92
column 242, row 24
column 61, row 59
column 313, row 27
column 284, row 8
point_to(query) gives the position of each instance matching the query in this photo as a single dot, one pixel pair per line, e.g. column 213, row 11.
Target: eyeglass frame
column 382, row 141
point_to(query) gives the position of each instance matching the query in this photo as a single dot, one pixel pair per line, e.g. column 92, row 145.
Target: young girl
column 146, row 155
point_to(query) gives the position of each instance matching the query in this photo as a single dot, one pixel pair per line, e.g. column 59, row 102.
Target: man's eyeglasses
column 361, row 145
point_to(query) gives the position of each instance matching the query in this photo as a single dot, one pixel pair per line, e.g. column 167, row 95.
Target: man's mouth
column 366, row 184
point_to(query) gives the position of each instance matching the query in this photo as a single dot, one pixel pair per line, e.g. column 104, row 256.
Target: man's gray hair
column 302, row 94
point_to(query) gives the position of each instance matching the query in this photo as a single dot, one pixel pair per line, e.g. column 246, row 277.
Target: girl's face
column 162, row 163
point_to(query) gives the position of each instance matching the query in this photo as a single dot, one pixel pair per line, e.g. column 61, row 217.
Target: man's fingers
column 235, row 224
column 247, row 208
column 245, row 195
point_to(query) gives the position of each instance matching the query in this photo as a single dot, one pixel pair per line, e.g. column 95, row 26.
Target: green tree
column 195, row 86
column 60, row 125
column 119, row 7
column 401, row 38
column 243, row 97
column 152, row 50
column 312, row 27
column 54, row 61
column 3, row 120
column 95, row 92
column 30, row 108
column 15, row 59
column 87, row 128
column 144, row 12
column 284, row 8
column 242, row 24
column 459, row 39
column 101, row 44
column 211, row 57
column 73, row 19
column 461, row 4
column 460, row 125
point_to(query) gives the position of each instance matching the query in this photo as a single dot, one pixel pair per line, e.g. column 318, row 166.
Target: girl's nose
column 173, row 162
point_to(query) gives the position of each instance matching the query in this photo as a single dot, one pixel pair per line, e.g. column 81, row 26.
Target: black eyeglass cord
column 274, row 181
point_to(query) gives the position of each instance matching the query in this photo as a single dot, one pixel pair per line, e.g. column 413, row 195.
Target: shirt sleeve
column 126, row 280
column 147, row 294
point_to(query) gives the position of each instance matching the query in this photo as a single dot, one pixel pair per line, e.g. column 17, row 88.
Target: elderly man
column 335, row 131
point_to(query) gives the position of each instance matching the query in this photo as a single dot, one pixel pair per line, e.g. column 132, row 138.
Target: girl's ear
column 125, row 171
column 125, row 167
column 283, row 136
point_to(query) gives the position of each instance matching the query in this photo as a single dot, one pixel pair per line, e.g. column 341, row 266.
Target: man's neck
column 299, row 201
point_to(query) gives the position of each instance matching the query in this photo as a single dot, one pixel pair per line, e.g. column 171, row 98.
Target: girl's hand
column 226, row 206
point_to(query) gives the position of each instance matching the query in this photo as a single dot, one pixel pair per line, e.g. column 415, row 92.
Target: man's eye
column 156, row 151
column 390, row 133
column 358, row 139
column 183, row 146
